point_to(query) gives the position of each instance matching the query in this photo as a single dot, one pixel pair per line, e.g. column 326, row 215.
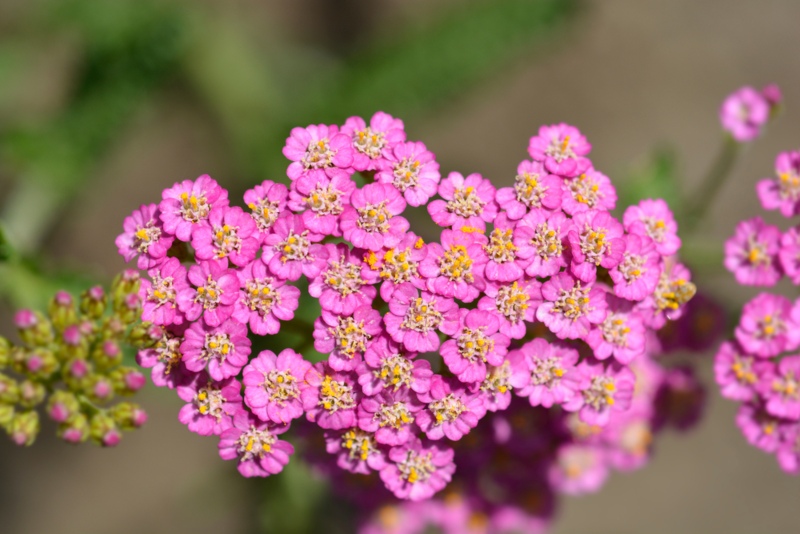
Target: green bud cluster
column 70, row 363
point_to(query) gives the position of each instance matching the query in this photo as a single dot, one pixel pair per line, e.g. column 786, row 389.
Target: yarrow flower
column 745, row 112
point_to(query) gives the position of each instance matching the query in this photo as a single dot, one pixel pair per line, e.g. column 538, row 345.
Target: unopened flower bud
column 76, row 371
column 128, row 415
column 74, row 342
column 34, row 329
column 5, row 352
column 40, row 363
column 62, row 405
column 93, row 302
column 107, row 354
column 104, row 431
column 144, row 335
column 31, row 393
column 24, row 427
column 6, row 414
column 62, row 310
column 75, row 429
column 126, row 283
column 101, row 388
column 127, row 380
column 9, row 391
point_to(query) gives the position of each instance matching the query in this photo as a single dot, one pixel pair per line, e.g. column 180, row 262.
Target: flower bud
column 5, row 352
column 31, row 393
column 107, row 354
column 126, row 283
column 74, row 343
column 104, row 431
column 93, row 302
column 62, row 405
column 9, row 390
column 62, row 311
column 6, row 414
column 34, row 329
column 24, row 427
column 128, row 415
column 130, row 309
column 127, row 380
column 144, row 335
column 75, row 429
column 76, row 373
column 40, row 363
column 101, row 388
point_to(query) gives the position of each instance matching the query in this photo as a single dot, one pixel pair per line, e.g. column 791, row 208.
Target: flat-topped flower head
column 476, row 345
column 514, row 305
column 330, row 397
column 451, row 410
column 222, row 350
column 144, row 238
column 668, row 301
column 637, row 274
column 766, row 327
column 215, row 290
column 267, row 201
column 603, row 390
column 455, row 268
column 578, row 469
column 590, row 190
column 654, row 219
column 412, row 169
column 542, row 372
column 782, row 193
column 569, row 308
column 752, row 253
column 290, row 250
column 534, row 188
column 372, row 221
column 415, row 318
column 761, row 429
column 595, row 241
column 230, row 233
column 356, row 451
column 321, row 201
column 189, row 203
column 317, row 149
column 539, row 238
column 467, row 202
column 256, row 446
column 622, row 334
column 496, row 388
column 387, row 366
column 390, row 415
column 160, row 294
column 340, row 286
column 165, row 356
column 744, row 113
column 272, row 385
column 737, row 373
column 264, row 301
column 789, row 255
column 502, row 264
column 780, row 388
column 397, row 265
column 370, row 143
column 210, row 405
column 345, row 338
column 561, row 148
column 416, row 471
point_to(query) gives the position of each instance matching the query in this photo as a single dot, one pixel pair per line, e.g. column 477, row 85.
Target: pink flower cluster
column 760, row 367
column 745, row 112
column 422, row 338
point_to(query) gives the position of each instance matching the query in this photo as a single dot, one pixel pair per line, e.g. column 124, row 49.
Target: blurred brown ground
column 631, row 75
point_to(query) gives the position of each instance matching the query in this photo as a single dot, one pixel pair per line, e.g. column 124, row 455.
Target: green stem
column 717, row 174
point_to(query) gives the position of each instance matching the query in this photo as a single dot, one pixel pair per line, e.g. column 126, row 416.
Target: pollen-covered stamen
column 398, row 267
column 560, row 149
column 770, row 326
column 789, row 185
column 456, row 264
column 325, row 200
column 655, row 228
column 217, row 347
column 466, row 203
column 529, row 189
column 209, row 294
column 547, row 241
column 600, row 393
column 265, row 213
column 496, row 380
column 585, row 190
column 422, row 316
column 593, row 244
column 757, row 253
column 500, row 248
column 146, row 236
column 369, row 142
column 194, row 208
column 615, row 330
column 574, row 303
column 350, row 336
column 335, row 395
column 512, row 302
column 672, row 294
column 546, row 372
column 294, row 247
column 358, row 444
column 374, row 218
column 416, row 467
column 447, row 409
column 787, row 386
column 406, row 174
column 393, row 415
column 632, row 267
column 474, row 345
column 743, row 370
column 281, row 386
column 168, row 351
column 255, row 443
column 395, row 371
column 344, row 277
column 162, row 291
column 261, row 296
column 226, row 240
column 209, row 401
column 318, row 155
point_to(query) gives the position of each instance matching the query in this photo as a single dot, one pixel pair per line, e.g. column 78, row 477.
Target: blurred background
column 105, row 103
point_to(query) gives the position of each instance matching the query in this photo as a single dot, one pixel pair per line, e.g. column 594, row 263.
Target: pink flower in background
column 370, row 143
column 144, row 237
column 752, row 253
column 468, row 202
column 189, row 203
column 789, row 254
column 256, row 446
column 315, row 150
column 766, row 327
column 782, row 193
column 561, row 148
column 578, row 469
column 780, row 388
column 737, row 372
column 744, row 113
column 412, row 169
column 534, row 188
column 759, row 428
